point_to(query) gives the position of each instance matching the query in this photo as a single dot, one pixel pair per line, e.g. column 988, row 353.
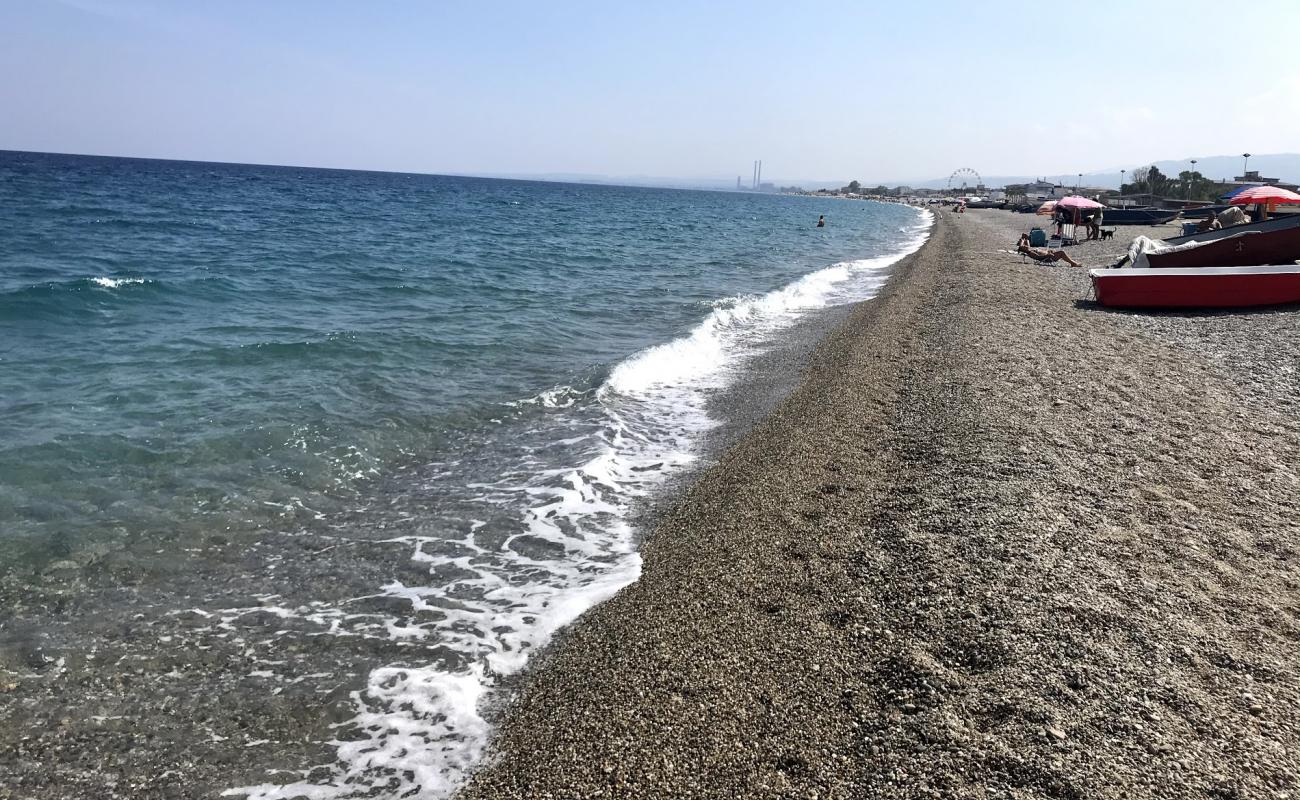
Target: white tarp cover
column 1232, row 216
column 1142, row 246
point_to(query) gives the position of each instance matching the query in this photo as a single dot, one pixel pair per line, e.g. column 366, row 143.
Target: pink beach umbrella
column 1075, row 201
column 1264, row 194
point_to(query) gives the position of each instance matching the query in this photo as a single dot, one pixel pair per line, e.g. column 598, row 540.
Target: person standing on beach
column 821, row 221
column 1094, row 225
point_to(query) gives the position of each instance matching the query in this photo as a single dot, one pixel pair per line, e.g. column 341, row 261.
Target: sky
column 881, row 92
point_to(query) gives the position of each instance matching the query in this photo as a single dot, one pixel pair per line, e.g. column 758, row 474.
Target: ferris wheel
column 964, row 178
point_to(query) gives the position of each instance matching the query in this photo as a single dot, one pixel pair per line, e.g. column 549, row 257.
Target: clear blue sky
column 833, row 90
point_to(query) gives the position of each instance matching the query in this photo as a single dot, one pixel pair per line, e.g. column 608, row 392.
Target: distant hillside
column 1284, row 166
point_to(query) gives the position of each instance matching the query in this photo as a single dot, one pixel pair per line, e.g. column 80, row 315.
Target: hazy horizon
column 821, row 92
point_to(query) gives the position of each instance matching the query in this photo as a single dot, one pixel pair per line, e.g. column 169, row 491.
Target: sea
column 319, row 458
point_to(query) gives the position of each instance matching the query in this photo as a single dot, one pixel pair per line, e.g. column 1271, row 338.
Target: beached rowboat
column 1138, row 216
column 1276, row 223
column 1198, row 287
column 1248, row 248
column 1201, row 212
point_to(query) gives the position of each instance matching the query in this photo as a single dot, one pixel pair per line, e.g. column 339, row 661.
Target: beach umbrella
column 1264, row 194
column 1047, row 209
column 1075, row 201
column 1237, row 191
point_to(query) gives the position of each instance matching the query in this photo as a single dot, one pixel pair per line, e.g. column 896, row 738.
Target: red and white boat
column 1197, row 287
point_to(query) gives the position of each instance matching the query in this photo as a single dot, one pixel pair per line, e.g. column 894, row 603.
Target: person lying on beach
column 1042, row 255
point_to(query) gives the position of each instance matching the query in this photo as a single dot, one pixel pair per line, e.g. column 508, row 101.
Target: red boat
column 1243, row 250
column 1197, row 287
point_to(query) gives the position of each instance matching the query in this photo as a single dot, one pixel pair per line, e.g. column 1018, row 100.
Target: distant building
column 1127, row 200
column 1253, row 178
column 1043, row 190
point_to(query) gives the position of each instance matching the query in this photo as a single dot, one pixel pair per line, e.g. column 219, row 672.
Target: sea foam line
column 423, row 724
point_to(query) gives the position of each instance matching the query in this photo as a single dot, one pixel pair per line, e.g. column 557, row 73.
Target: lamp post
column 1191, row 178
column 1078, row 181
column 1245, row 159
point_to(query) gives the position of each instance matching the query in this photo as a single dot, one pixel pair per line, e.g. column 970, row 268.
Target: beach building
column 1041, row 190
column 1253, row 178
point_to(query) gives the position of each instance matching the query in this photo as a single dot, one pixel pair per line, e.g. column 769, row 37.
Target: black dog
column 1108, row 234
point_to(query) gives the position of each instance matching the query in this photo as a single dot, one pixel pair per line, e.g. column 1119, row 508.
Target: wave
column 710, row 353
column 420, row 728
column 52, row 299
column 71, row 296
column 116, row 283
column 556, row 397
column 38, row 290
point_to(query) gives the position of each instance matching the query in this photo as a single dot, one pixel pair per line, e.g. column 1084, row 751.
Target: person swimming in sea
column 821, row 221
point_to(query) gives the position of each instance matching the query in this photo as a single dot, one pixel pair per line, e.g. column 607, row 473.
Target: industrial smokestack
column 754, row 183
column 760, row 173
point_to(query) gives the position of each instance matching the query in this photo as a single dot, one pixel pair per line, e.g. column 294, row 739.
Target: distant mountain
column 1283, row 166
column 717, row 184
column 708, row 183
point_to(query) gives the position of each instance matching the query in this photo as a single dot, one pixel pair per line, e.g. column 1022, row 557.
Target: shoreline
column 939, row 568
column 766, row 379
column 228, row 650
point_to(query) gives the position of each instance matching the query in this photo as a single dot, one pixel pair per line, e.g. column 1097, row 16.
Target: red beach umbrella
column 1264, row 194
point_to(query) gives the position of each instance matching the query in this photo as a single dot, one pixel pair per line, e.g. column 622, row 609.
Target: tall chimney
column 760, row 172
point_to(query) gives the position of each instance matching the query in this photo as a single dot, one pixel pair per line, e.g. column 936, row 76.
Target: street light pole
column 1245, row 159
column 1078, row 181
column 1191, row 178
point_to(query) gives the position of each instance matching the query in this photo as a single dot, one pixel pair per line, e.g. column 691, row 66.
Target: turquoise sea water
column 485, row 374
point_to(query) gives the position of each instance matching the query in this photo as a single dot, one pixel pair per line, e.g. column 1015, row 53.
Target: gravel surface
column 999, row 543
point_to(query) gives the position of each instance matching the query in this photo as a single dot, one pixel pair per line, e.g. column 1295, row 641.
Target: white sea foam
column 115, row 283
column 706, row 358
column 422, row 724
column 557, row 397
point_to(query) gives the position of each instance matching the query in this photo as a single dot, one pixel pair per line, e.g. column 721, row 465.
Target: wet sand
column 999, row 542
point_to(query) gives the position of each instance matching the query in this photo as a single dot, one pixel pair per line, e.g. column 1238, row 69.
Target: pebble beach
column 996, row 542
